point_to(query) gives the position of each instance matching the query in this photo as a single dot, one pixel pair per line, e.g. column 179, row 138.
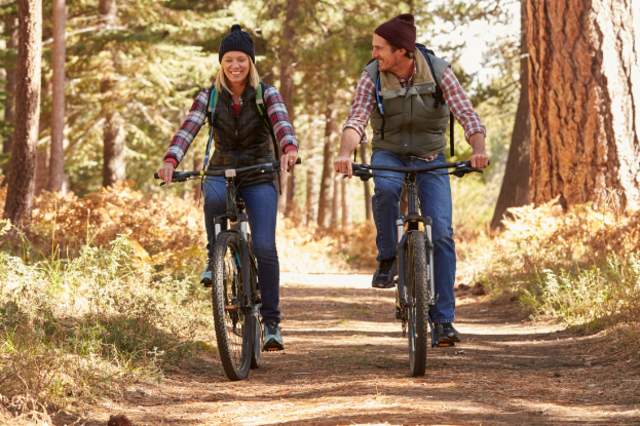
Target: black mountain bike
column 415, row 289
column 235, row 291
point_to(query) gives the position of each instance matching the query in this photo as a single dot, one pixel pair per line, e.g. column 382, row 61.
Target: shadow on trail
column 343, row 345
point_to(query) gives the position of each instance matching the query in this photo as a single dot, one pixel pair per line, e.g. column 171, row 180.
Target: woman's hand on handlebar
column 166, row 172
column 288, row 160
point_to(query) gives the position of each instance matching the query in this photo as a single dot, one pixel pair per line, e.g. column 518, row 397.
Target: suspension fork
column 245, row 260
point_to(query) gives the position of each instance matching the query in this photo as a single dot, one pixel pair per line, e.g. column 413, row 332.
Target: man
column 416, row 92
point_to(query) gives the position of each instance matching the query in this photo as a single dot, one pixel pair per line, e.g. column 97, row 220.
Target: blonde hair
column 253, row 78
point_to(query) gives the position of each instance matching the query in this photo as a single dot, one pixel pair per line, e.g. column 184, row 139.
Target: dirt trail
column 346, row 363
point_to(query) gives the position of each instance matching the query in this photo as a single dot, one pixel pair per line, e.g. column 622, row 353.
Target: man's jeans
column 434, row 191
column 261, row 201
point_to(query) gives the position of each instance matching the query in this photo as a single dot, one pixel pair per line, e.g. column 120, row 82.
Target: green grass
column 76, row 330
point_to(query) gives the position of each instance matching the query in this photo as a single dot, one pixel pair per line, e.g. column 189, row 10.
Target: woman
column 241, row 138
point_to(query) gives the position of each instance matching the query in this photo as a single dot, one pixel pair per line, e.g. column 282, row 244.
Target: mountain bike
column 415, row 285
column 235, row 290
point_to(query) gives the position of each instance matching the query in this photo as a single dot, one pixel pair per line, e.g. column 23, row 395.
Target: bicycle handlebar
column 460, row 168
column 231, row 172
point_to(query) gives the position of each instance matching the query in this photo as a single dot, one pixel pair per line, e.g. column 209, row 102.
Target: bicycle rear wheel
column 417, row 290
column 233, row 322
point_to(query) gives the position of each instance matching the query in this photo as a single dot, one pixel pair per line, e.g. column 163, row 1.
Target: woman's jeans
column 261, row 201
column 434, row 192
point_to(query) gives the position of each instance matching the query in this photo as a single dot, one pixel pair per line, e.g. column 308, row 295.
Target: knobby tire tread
column 228, row 241
column 418, row 275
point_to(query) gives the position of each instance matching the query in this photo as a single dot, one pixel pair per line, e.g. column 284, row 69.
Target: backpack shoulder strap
column 211, row 109
column 374, row 74
column 439, row 96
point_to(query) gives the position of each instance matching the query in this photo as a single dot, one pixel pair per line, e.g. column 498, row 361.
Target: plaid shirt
column 197, row 116
column 365, row 101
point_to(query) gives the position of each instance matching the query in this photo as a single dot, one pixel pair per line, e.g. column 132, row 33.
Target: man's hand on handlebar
column 342, row 164
column 166, row 172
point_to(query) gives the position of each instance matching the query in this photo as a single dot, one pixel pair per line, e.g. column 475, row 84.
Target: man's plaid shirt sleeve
column 190, row 127
column 362, row 106
column 460, row 105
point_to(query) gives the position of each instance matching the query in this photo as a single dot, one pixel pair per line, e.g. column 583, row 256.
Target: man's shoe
column 383, row 277
column 445, row 335
column 206, row 277
column 272, row 337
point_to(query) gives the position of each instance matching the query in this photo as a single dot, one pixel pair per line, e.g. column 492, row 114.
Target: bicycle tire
column 417, row 290
column 256, row 354
column 233, row 323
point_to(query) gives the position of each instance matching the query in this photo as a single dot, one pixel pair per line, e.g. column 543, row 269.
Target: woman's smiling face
column 236, row 66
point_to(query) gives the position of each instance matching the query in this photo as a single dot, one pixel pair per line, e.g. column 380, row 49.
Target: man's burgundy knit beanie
column 399, row 32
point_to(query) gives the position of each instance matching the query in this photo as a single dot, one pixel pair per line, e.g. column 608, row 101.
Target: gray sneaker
column 272, row 337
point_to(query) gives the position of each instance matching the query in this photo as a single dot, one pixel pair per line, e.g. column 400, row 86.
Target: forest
column 101, row 312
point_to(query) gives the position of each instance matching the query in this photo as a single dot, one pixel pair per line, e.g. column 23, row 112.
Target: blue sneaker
column 206, row 277
column 272, row 337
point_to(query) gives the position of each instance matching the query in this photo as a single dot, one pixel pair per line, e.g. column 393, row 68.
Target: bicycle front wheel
column 233, row 322
column 417, row 290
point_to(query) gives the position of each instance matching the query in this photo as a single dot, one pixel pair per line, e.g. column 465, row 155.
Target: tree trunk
column 114, row 164
column 19, row 202
column 344, row 200
column 56, row 159
column 335, row 203
column 309, row 199
column 287, row 69
column 515, row 183
column 368, row 212
column 11, row 34
column 327, row 167
column 585, row 103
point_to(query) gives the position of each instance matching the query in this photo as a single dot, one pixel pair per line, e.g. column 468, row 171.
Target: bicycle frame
column 236, row 216
column 412, row 221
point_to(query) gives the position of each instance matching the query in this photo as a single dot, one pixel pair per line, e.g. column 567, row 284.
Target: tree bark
column 56, row 159
column 584, row 97
column 19, row 202
column 287, row 68
column 11, row 34
column 309, row 216
column 344, row 201
column 515, row 183
column 335, row 203
column 114, row 163
column 368, row 212
column 327, row 167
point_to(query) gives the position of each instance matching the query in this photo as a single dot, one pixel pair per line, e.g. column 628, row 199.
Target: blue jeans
column 261, row 201
column 434, row 192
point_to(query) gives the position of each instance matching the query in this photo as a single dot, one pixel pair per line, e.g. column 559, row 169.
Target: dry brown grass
column 581, row 265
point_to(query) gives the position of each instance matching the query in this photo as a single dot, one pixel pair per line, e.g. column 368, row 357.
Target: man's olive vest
column 242, row 140
column 412, row 123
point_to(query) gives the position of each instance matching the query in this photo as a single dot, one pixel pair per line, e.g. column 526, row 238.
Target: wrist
column 290, row 148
